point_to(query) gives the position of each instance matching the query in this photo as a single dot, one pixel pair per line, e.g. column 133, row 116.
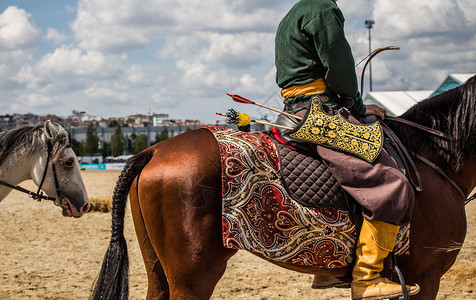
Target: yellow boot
column 376, row 241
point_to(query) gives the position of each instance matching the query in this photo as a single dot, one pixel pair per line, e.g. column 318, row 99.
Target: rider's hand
column 378, row 111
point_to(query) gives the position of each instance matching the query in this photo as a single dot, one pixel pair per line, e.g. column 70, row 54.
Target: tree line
column 119, row 144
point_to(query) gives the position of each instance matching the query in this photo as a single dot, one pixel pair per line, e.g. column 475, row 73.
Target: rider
column 313, row 57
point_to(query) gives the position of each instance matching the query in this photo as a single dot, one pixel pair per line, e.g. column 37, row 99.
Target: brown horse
column 176, row 206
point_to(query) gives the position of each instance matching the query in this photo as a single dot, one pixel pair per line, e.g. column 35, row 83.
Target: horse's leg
column 157, row 287
column 180, row 200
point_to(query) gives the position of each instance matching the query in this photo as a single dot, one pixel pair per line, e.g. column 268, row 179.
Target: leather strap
column 35, row 196
column 419, row 126
column 413, row 174
column 443, row 174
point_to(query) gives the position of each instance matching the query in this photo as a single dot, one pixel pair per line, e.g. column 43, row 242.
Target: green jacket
column 310, row 44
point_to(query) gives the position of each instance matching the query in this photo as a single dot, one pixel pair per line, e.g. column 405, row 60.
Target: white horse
column 43, row 154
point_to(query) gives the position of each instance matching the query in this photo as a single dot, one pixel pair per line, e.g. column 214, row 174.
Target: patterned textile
column 363, row 140
column 259, row 215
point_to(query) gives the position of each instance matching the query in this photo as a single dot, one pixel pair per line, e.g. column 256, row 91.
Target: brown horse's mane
column 452, row 112
column 28, row 139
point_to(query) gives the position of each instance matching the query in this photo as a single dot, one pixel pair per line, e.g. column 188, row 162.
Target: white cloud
column 110, row 26
column 199, row 80
column 247, row 82
column 27, row 78
column 10, row 63
column 269, row 82
column 16, row 30
column 68, row 61
column 415, row 19
column 113, row 27
column 31, row 102
column 164, row 99
column 180, row 47
column 55, row 36
column 106, row 94
column 136, row 76
column 238, row 50
column 18, row 38
column 68, row 68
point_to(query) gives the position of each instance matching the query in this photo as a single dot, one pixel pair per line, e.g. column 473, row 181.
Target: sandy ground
column 44, row 255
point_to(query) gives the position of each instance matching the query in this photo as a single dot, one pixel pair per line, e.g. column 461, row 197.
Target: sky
column 117, row 58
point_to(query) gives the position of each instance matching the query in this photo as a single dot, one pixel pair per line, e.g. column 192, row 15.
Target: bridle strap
column 470, row 199
column 443, row 174
column 49, row 148
column 419, row 126
column 53, row 168
column 32, row 195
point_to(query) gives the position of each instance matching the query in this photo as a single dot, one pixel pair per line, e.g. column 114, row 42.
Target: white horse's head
column 56, row 171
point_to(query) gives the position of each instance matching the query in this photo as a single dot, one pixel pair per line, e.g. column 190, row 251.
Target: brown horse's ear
column 50, row 130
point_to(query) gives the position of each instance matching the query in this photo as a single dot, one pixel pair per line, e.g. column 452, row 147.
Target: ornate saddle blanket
column 259, row 213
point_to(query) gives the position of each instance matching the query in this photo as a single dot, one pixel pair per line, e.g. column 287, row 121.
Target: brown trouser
column 382, row 190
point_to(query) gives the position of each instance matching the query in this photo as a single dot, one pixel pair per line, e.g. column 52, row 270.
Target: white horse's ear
column 50, row 130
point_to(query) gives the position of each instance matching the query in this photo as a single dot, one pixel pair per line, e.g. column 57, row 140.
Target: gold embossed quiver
column 363, row 140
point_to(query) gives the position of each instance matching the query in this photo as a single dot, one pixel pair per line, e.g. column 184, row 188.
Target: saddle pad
column 309, row 181
column 258, row 214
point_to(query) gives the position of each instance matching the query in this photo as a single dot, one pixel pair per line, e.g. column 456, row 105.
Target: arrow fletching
column 239, row 99
column 235, row 118
column 243, row 120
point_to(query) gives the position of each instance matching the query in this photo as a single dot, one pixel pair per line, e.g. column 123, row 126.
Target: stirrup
column 396, row 269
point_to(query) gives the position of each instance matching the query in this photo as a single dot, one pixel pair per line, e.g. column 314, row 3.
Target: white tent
column 397, row 102
column 452, row 81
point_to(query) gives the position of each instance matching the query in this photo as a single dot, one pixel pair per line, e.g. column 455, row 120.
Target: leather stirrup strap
column 396, row 270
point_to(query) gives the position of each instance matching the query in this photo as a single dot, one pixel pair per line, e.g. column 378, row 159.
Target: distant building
column 8, row 121
column 137, row 120
column 158, row 119
column 82, row 119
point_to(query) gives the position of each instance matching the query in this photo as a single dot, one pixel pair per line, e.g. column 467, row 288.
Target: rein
column 426, row 161
column 443, row 174
column 39, row 193
column 419, row 126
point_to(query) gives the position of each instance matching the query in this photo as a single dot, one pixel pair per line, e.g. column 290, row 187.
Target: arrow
column 239, row 99
column 259, row 122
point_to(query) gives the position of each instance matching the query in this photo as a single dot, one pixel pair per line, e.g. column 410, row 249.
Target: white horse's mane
column 29, row 139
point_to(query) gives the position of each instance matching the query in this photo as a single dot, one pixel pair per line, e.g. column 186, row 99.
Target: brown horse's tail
column 113, row 281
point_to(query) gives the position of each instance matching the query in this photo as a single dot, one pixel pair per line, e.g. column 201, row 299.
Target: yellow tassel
column 243, row 119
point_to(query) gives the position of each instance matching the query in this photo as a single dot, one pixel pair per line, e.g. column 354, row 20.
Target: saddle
column 307, row 178
column 391, row 144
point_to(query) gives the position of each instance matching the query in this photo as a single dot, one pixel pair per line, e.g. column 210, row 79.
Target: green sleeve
column 335, row 54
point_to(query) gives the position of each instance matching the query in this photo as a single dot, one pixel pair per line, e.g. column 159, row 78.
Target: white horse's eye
column 69, row 162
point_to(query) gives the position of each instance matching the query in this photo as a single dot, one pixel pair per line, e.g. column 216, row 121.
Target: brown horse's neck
column 464, row 177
